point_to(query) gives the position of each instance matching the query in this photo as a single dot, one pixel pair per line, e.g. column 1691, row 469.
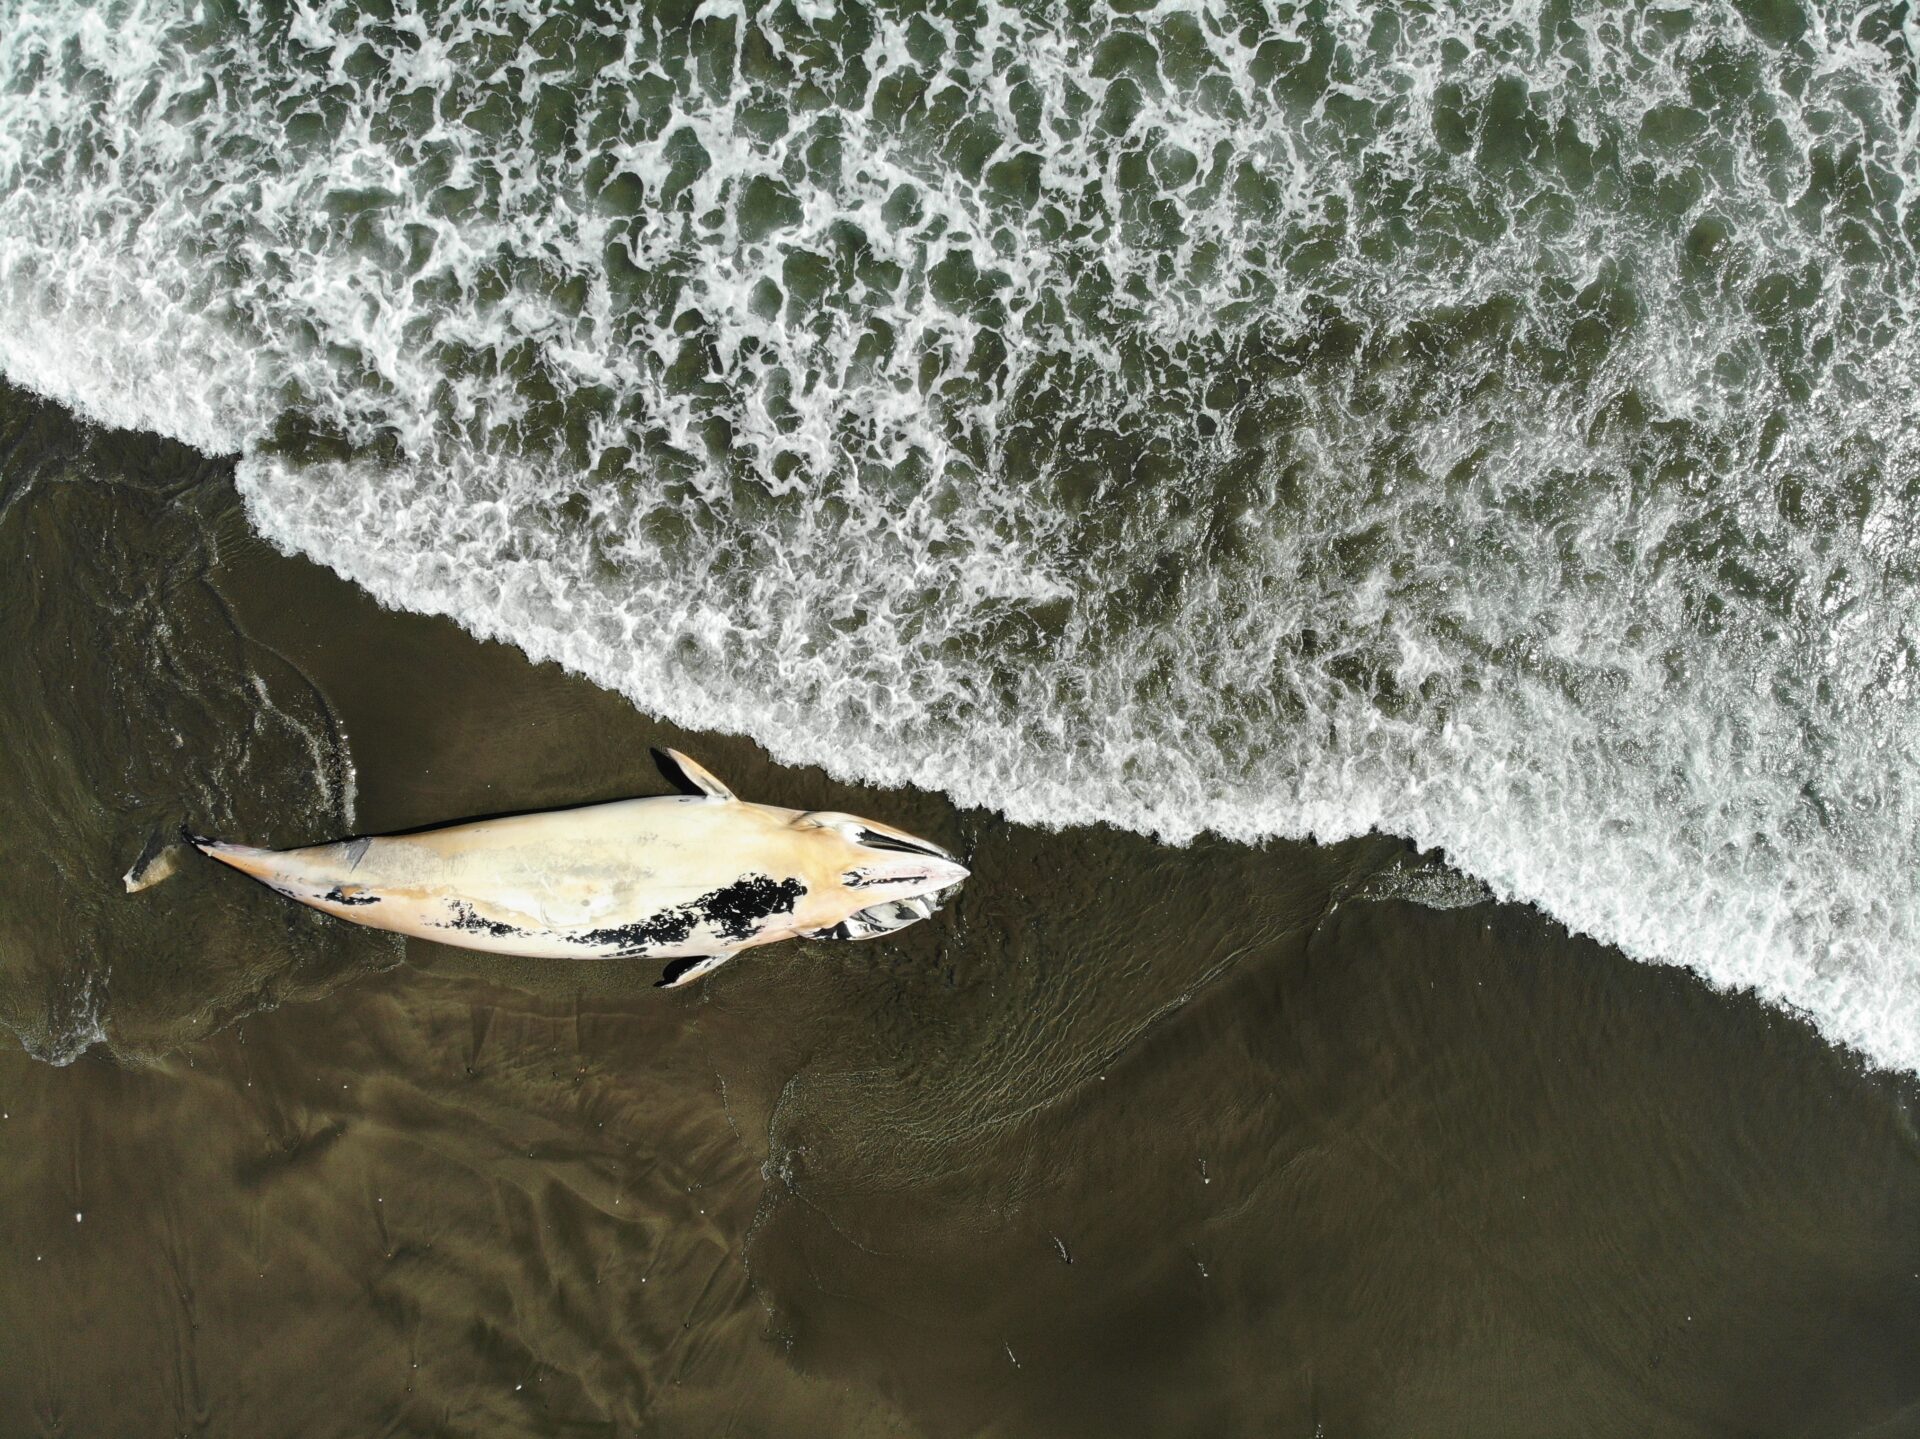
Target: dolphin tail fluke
column 159, row 859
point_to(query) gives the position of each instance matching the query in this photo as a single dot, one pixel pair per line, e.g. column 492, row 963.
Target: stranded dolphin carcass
column 690, row 879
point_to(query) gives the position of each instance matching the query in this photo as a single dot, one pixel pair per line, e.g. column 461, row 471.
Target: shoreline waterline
column 1475, row 424
column 1428, row 867
column 1131, row 1137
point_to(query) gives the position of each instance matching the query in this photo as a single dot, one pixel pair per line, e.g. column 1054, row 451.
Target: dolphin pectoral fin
column 692, row 774
column 686, row 971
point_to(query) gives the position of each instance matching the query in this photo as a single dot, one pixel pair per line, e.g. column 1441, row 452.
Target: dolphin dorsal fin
column 696, row 776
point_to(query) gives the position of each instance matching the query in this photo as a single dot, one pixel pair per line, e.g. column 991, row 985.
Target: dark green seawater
column 1389, row 537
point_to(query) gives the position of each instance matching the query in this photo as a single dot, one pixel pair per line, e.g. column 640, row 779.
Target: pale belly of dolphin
column 665, row 878
column 692, row 880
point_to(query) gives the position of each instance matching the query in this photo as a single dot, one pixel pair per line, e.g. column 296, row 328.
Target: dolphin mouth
column 920, row 906
column 891, row 915
column 884, row 918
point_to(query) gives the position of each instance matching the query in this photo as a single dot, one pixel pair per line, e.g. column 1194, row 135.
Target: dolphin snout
column 925, row 876
column 903, row 865
column 944, row 874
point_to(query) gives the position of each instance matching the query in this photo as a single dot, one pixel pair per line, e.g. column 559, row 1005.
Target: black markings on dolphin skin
column 738, row 907
column 464, row 918
column 668, row 927
column 337, row 895
column 734, row 910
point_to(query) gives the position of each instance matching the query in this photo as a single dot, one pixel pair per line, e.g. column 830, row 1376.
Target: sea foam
column 1492, row 426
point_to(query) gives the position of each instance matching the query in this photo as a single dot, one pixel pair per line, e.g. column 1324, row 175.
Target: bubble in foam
column 1488, row 425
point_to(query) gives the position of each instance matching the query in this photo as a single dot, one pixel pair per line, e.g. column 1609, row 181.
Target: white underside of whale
column 669, row 878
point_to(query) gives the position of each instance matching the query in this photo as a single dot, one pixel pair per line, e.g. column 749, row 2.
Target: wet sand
column 1129, row 1140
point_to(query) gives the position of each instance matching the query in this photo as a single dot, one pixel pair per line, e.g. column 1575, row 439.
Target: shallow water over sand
column 1214, row 1140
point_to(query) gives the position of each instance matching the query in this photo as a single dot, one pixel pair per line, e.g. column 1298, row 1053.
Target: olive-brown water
column 1130, row 1139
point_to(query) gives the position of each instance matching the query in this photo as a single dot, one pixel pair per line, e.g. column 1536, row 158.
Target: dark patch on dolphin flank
column 668, row 927
column 733, row 909
column 744, row 902
column 465, row 918
column 355, row 850
column 337, row 895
